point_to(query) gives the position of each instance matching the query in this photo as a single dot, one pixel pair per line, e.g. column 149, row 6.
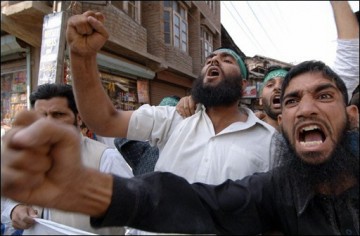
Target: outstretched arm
column 157, row 202
column 85, row 36
column 347, row 25
column 41, row 165
column 347, row 53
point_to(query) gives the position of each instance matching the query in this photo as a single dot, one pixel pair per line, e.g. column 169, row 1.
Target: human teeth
column 312, row 143
column 311, row 127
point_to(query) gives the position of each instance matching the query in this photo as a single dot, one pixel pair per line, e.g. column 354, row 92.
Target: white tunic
column 347, row 63
column 191, row 149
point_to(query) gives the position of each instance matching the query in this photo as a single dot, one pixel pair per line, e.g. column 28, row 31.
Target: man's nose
column 278, row 86
column 307, row 107
column 215, row 61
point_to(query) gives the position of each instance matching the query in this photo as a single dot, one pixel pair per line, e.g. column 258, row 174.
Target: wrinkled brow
column 222, row 54
column 317, row 89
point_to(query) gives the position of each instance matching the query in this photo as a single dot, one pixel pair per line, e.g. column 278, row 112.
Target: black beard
column 343, row 161
column 268, row 110
column 227, row 92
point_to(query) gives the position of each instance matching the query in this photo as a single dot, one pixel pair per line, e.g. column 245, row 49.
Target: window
column 207, row 43
column 211, row 5
column 175, row 25
column 132, row 8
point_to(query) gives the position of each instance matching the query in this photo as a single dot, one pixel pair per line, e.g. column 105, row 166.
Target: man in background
column 56, row 102
column 270, row 92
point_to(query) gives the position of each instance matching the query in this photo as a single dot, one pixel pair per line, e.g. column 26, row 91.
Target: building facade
column 155, row 49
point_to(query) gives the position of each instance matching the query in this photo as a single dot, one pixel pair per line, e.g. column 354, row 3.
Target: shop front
column 126, row 82
column 15, row 80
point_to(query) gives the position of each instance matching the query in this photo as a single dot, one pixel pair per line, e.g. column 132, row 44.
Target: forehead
column 275, row 79
column 307, row 82
column 221, row 53
column 52, row 103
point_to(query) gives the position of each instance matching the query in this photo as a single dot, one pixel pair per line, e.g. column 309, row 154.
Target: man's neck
column 223, row 116
column 272, row 122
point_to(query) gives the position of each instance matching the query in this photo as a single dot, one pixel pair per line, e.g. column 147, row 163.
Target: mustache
column 313, row 119
column 301, row 120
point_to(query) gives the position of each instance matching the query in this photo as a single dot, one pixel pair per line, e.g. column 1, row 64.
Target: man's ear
column 260, row 101
column 353, row 116
column 79, row 120
column 352, row 110
column 279, row 119
column 244, row 84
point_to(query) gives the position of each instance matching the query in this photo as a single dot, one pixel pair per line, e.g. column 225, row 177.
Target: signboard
column 143, row 91
column 250, row 92
column 101, row 3
column 51, row 67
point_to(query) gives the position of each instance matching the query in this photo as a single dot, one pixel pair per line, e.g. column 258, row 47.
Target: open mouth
column 311, row 135
column 276, row 100
column 213, row 72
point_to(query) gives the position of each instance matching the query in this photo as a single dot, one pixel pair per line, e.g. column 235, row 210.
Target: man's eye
column 269, row 85
column 58, row 114
column 290, row 102
column 325, row 96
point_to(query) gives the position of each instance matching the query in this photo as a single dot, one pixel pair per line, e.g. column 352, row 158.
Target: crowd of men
column 220, row 169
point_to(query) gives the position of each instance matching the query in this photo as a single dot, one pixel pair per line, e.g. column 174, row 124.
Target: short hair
column 48, row 91
column 314, row 66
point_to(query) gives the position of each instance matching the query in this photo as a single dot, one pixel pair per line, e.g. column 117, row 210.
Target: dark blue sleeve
column 164, row 202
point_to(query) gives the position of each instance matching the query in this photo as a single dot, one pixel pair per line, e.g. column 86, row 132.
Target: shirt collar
column 303, row 197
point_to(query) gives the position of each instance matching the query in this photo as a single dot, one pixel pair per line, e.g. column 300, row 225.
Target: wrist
column 92, row 193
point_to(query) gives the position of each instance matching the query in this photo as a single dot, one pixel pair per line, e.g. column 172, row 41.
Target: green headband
column 238, row 60
column 273, row 74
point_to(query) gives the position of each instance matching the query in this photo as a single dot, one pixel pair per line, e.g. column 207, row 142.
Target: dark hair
column 356, row 90
column 48, row 91
column 314, row 66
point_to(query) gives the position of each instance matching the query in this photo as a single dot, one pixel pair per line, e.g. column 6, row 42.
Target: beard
column 271, row 113
column 343, row 161
column 227, row 92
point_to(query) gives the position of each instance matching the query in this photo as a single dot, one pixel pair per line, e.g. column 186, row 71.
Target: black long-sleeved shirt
column 164, row 202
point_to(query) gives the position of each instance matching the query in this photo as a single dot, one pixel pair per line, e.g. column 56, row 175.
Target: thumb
column 33, row 212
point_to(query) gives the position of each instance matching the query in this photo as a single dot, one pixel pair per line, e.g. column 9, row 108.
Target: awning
column 9, row 45
column 124, row 67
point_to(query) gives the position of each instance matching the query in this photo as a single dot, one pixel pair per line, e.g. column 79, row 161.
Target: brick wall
column 213, row 17
column 194, row 39
column 149, row 36
column 152, row 20
column 123, row 30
